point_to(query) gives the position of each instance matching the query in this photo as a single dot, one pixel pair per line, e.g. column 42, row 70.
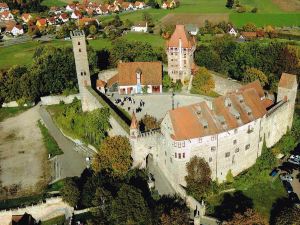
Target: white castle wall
column 54, row 100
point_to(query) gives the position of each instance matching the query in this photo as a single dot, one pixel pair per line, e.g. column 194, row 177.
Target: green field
column 50, row 3
column 155, row 40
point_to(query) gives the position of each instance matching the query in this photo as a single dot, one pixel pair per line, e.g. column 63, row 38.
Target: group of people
column 130, row 100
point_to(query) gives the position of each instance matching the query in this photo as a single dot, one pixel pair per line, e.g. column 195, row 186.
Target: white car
column 286, row 177
column 295, row 161
column 295, row 157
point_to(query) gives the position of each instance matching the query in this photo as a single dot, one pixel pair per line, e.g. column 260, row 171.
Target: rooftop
column 180, row 33
column 287, row 81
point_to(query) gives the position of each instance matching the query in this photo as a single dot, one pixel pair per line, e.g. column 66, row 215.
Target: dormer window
column 138, row 76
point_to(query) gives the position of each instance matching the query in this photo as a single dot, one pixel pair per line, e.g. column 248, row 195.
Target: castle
column 227, row 132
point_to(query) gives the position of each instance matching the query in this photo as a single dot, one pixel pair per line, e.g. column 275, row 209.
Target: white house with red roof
column 6, row 15
column 71, row 7
column 76, row 15
column 15, row 30
column 3, row 7
column 139, row 5
column 140, row 27
column 26, row 17
column 64, row 17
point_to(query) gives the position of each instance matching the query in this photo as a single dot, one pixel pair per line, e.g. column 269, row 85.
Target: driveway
column 72, row 162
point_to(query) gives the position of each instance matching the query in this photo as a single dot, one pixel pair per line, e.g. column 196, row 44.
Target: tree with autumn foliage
column 250, row 217
column 287, row 216
column 175, row 217
column 114, row 156
column 198, row 177
column 252, row 74
column 148, row 122
column 203, row 82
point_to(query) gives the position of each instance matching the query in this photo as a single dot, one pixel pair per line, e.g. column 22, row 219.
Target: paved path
column 71, row 163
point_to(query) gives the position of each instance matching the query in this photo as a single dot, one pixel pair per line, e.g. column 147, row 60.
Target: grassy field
column 155, row 40
column 60, row 220
column 50, row 3
column 10, row 112
column 50, row 143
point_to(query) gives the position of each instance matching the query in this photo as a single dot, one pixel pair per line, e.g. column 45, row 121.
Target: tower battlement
column 77, row 33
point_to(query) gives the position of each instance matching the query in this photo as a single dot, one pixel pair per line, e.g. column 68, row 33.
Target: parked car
column 274, row 172
column 286, row 177
column 288, row 187
column 295, row 157
column 294, row 161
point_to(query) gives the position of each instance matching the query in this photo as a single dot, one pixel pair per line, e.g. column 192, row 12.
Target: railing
column 116, row 113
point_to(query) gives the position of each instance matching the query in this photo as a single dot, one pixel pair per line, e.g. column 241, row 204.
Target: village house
column 233, row 32
column 26, row 17
column 71, row 7
column 52, row 20
column 41, row 23
column 100, row 86
column 248, row 36
column 76, row 15
column 86, row 21
column 90, row 11
column 165, row 5
column 6, row 15
column 137, row 77
column 127, row 6
column 14, row 29
column 102, row 10
column 170, row 5
column 114, row 8
column 64, row 17
column 140, row 27
column 180, row 51
column 56, row 10
column 3, row 7
column 139, row 5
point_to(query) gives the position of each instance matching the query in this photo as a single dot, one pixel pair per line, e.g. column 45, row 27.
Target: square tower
column 82, row 66
column 180, row 51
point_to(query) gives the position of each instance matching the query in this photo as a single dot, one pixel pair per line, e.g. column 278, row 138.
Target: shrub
column 254, row 10
column 229, row 177
column 241, row 9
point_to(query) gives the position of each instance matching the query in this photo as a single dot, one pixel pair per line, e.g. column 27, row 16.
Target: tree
column 230, row 3
column 203, row 82
column 93, row 29
column 250, row 217
column 177, row 86
column 70, row 192
column 249, row 27
column 129, row 207
column 147, row 18
column 114, row 155
column 176, row 217
column 198, row 177
column 296, row 126
column 252, row 74
column 167, row 82
column 117, row 22
column 148, row 122
column 229, row 177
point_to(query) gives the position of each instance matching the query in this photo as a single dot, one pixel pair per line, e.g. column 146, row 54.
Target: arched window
column 80, row 50
column 78, row 42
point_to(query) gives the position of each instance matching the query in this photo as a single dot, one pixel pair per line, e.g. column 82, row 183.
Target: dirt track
column 22, row 153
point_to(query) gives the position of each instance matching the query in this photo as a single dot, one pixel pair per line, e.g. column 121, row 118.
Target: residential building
column 233, row 32
column 140, row 27
column 3, row 7
column 76, row 15
column 6, row 15
column 139, row 5
column 180, row 51
column 14, row 29
column 100, row 86
column 41, row 23
column 26, row 17
column 127, row 6
column 137, row 77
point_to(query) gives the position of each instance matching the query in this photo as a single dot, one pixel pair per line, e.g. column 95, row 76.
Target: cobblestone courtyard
column 157, row 105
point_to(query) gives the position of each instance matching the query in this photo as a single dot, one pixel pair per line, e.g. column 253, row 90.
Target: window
column 227, row 154
column 78, row 42
column 84, row 73
column 213, row 148
column 237, row 150
column 183, row 144
column 247, row 146
column 213, row 138
column 234, row 142
column 165, row 153
column 175, row 154
column 179, row 144
column 200, row 140
column 179, row 155
column 81, row 73
column 80, row 50
column 235, row 131
column 210, row 159
column 183, row 155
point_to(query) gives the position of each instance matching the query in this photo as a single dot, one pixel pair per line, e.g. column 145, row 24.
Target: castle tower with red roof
column 180, row 51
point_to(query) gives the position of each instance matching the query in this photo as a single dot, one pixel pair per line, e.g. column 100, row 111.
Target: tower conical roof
column 134, row 122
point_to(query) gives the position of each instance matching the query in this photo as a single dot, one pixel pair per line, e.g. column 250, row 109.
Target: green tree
column 287, row 143
column 229, row 177
column 93, row 30
column 70, row 192
column 252, row 74
column 203, row 82
column 249, row 27
column 229, row 3
column 147, row 18
column 117, row 22
column 167, row 82
column 129, row 207
column 296, row 126
column 198, row 177
column 114, row 155
column 177, row 86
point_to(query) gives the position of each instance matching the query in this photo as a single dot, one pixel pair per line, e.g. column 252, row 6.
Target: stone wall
column 53, row 207
column 105, row 75
column 223, row 85
column 10, row 104
column 54, row 100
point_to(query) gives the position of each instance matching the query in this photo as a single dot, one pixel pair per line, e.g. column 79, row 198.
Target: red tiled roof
column 180, row 33
column 3, row 5
column 5, row 13
column 42, row 22
column 151, row 73
column 287, row 81
column 100, row 83
column 227, row 112
column 256, row 85
column 26, row 16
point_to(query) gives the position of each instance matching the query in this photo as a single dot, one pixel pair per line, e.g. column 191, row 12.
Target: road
column 73, row 161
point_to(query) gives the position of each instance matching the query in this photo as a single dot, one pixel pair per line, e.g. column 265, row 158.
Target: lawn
column 50, row 3
column 59, row 220
column 10, row 112
column 21, row 54
column 262, row 19
column 50, row 143
column 155, row 40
